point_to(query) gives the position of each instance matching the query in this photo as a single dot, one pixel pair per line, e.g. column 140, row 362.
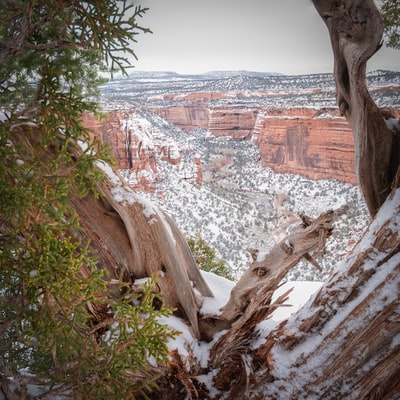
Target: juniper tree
column 206, row 257
column 390, row 10
column 51, row 53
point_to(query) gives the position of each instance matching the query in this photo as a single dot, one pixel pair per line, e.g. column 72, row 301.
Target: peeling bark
column 132, row 244
column 346, row 343
column 267, row 274
column 343, row 344
column 356, row 28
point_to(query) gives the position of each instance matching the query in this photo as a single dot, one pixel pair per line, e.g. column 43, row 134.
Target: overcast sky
column 194, row 36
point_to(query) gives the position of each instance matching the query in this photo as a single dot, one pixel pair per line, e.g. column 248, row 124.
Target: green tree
column 206, row 257
column 390, row 10
column 50, row 55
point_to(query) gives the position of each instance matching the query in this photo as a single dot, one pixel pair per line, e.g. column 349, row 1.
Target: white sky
column 194, row 36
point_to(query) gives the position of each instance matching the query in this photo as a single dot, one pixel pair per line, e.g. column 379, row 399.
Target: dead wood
column 251, row 302
column 265, row 275
column 356, row 28
column 344, row 344
column 133, row 242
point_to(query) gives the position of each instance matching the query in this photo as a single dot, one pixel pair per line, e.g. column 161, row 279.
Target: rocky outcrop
column 235, row 122
column 316, row 143
column 137, row 147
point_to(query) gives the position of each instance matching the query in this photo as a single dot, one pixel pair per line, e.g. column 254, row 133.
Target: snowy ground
column 187, row 346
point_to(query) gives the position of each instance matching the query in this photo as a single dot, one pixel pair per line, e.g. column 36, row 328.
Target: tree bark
column 356, row 28
column 135, row 240
column 343, row 344
column 265, row 275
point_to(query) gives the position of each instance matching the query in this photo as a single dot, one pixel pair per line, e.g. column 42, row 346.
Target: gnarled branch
column 356, row 28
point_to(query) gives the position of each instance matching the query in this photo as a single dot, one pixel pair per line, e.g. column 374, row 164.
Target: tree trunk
column 344, row 344
column 356, row 28
column 251, row 298
column 134, row 239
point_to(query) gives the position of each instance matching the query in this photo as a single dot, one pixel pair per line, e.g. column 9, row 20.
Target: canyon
column 237, row 156
column 293, row 120
column 311, row 142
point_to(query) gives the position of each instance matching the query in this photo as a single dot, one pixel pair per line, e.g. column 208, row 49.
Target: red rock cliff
column 315, row 143
column 136, row 147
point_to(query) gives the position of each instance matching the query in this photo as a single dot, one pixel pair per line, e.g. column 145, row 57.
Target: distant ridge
column 227, row 74
column 204, row 75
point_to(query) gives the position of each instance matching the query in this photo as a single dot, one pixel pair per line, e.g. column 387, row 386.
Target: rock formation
column 316, row 143
column 137, row 146
column 313, row 141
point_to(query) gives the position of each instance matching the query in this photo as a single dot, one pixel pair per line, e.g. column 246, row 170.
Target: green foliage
column 60, row 45
column 390, row 10
column 206, row 258
column 50, row 55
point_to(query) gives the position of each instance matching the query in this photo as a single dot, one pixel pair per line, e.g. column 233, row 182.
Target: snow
column 187, row 346
column 235, row 209
column 301, row 293
column 192, row 350
column 384, row 215
column 221, row 287
column 379, row 290
column 4, row 116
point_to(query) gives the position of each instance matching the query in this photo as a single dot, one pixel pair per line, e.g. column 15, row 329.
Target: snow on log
column 346, row 342
column 264, row 275
column 343, row 344
column 134, row 239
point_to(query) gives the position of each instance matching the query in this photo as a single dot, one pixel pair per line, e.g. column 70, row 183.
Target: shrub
column 206, row 258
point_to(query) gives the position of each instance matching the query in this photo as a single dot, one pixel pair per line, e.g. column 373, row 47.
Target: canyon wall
column 137, row 146
column 313, row 143
column 316, row 143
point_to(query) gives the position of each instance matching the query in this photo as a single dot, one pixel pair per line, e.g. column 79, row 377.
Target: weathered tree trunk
column 250, row 299
column 356, row 28
column 344, row 344
column 134, row 239
column 269, row 272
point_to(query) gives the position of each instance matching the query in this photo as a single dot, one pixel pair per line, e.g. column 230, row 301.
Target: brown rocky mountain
column 137, row 146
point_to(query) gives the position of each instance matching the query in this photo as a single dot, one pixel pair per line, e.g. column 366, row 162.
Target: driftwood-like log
column 133, row 242
column 265, row 275
column 356, row 28
column 250, row 299
column 344, row 344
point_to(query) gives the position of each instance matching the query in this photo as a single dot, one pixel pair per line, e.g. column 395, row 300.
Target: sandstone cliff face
column 308, row 142
column 314, row 143
column 137, row 146
column 235, row 122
